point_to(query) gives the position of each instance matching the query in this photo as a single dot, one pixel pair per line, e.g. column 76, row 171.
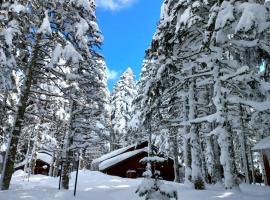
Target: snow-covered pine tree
column 62, row 27
column 122, row 97
column 151, row 187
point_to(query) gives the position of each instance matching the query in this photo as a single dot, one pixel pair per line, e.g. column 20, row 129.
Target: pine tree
column 73, row 47
column 121, row 108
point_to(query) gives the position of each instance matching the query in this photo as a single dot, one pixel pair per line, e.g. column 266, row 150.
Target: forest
column 202, row 98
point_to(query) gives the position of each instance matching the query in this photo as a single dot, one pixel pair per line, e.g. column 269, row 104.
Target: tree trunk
column 209, row 157
column 175, row 155
column 187, row 151
column 203, row 162
column 252, row 165
column 242, row 138
column 217, row 173
column 52, row 164
column 19, row 118
column 67, row 154
column 194, row 136
column 56, row 165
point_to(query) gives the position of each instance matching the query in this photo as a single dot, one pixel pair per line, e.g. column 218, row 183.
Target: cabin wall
column 41, row 168
column 266, row 161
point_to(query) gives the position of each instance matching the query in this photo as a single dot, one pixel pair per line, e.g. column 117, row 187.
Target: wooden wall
column 266, row 161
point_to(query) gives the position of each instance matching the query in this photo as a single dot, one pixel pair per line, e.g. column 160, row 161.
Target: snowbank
column 263, row 144
column 99, row 186
column 255, row 190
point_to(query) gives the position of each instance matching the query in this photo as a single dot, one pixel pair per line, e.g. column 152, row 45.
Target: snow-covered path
column 98, row 186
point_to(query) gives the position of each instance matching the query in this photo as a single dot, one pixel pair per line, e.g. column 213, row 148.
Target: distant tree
column 121, row 108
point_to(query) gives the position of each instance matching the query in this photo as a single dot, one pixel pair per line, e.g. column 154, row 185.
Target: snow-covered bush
column 152, row 188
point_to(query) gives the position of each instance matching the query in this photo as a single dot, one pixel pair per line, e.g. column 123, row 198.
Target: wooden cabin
column 42, row 165
column 125, row 162
column 263, row 146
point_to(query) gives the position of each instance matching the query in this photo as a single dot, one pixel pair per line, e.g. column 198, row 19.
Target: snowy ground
column 98, row 186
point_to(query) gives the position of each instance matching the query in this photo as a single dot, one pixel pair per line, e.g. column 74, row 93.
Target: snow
column 45, row 157
column 153, row 159
column 82, row 28
column 96, row 185
column 255, row 189
column 45, row 27
column 253, row 15
column 70, row 53
column 225, row 15
column 111, row 154
column 10, row 32
column 41, row 156
column 86, row 4
column 259, row 106
column 16, row 7
column 263, row 144
column 112, row 161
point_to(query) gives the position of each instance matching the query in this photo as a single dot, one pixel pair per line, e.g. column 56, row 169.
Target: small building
column 42, row 165
column 263, row 147
column 125, row 162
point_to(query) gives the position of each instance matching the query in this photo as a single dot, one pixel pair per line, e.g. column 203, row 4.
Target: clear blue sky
column 127, row 30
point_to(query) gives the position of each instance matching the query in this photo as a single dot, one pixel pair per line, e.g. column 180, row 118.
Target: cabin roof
column 108, row 160
column 45, row 157
column 42, row 155
column 117, row 152
column 262, row 144
column 117, row 159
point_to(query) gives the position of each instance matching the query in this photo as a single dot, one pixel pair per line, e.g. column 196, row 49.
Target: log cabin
column 42, row 164
column 125, row 162
column 263, row 147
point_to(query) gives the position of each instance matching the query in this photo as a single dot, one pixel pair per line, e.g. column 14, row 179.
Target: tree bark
column 194, row 136
column 175, row 155
column 67, row 154
column 217, row 174
column 18, row 122
column 243, row 144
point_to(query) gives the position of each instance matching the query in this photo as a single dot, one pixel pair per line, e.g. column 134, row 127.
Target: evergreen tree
column 69, row 26
column 121, row 108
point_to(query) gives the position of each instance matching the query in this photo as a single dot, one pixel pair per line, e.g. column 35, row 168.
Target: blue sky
column 128, row 27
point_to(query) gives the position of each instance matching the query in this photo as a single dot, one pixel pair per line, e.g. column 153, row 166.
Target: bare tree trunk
column 3, row 117
column 175, row 155
column 52, row 164
column 252, row 165
column 203, row 160
column 67, row 154
column 26, row 166
column 194, row 136
column 187, row 147
column 56, row 165
column 19, row 118
column 243, row 144
column 217, row 174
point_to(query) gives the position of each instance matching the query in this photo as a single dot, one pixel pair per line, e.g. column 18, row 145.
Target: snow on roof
column 263, row 144
column 112, row 161
column 45, row 157
column 112, row 154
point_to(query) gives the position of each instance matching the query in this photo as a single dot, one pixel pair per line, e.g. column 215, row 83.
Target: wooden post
column 60, row 177
column 77, row 171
